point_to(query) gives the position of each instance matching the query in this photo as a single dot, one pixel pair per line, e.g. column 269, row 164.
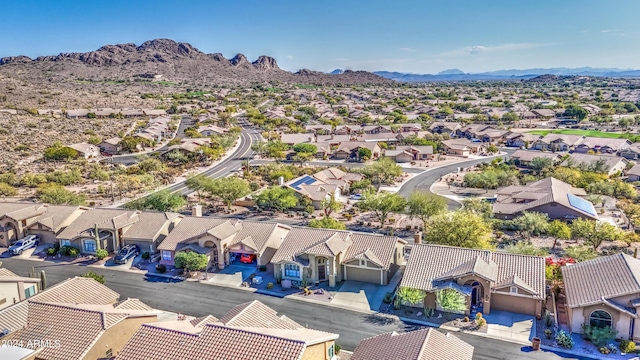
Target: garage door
column 513, row 304
column 360, row 274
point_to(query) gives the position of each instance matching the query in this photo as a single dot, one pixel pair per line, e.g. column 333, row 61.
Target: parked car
column 357, row 197
column 23, row 244
column 126, row 253
column 247, row 258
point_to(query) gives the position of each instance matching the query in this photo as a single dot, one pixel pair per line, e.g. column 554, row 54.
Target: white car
column 24, row 244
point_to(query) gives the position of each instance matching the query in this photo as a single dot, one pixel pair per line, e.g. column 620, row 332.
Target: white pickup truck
column 24, row 244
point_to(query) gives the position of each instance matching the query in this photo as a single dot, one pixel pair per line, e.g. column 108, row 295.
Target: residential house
column 14, row 288
column 558, row 142
column 319, row 129
column 334, row 140
column 445, row 127
column 591, row 109
column 223, row 240
column 77, row 113
column 349, row 149
column 104, row 112
column 610, row 164
column 85, row 150
column 632, row 152
column 79, row 331
column 523, row 158
column 15, row 218
column 314, row 189
column 521, row 140
column 544, row 113
column 463, row 147
column 550, row 196
column 292, row 139
column 52, row 221
column 488, row 280
column 9, row 111
column 110, row 224
column 338, row 177
column 604, row 292
column 410, row 127
column 324, row 149
column 131, row 113
column 209, row 130
column 423, row 344
column 376, row 129
column 602, row 145
column 634, row 173
column 250, row 331
column 347, row 129
column 403, row 154
column 111, row 145
column 319, row 255
column 378, row 137
column 156, row 130
column 154, row 112
column 150, row 230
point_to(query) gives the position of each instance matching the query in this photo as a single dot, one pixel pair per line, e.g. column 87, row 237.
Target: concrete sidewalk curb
column 569, row 352
column 174, row 277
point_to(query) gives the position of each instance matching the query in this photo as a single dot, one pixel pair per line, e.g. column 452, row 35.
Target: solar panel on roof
column 305, row 180
column 581, row 204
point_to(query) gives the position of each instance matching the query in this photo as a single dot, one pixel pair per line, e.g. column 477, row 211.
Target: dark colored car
column 126, row 253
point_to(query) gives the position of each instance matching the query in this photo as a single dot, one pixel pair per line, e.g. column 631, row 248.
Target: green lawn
column 589, row 133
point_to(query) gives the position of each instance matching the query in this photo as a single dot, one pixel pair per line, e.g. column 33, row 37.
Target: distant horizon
column 410, row 36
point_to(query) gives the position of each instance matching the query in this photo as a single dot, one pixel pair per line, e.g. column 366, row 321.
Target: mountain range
column 169, row 60
column 458, row 75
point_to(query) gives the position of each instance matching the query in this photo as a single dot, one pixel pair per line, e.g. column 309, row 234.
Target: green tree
column 278, row 198
column 581, row 253
column 540, row 164
column 197, row 183
column 410, row 296
column 190, row 261
column 7, row 190
column 478, row 206
column 94, row 140
column 327, row 223
column 459, row 228
column 94, row 276
column 382, row 171
column 276, row 149
column 163, row 200
column 228, row 189
column 559, row 231
column 364, row 153
column 330, row 204
column 523, row 248
column 383, row 204
column 451, row 301
column 576, row 111
column 305, row 148
column 58, row 151
column 532, row 223
column 510, row 117
column 57, row 195
column 594, row 233
column 423, row 205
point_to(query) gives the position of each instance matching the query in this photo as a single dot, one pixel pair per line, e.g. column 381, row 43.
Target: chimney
column 417, row 237
column 196, row 210
column 281, row 180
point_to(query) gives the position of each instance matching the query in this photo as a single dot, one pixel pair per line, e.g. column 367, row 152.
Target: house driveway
column 232, row 275
column 363, row 296
column 510, row 326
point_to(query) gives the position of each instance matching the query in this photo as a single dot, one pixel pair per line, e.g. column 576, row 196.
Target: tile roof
column 7, row 272
column 132, row 304
column 255, row 314
column 529, row 155
column 55, row 216
column 149, row 225
column 542, row 192
column 77, row 290
column 428, row 263
column 589, row 282
column 105, row 218
column 424, row 344
column 188, row 228
column 586, row 159
column 379, row 247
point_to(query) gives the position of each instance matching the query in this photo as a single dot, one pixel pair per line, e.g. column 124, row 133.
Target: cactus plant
column 43, row 280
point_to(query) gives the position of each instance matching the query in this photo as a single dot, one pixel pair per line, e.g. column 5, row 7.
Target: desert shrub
column 74, row 252
column 478, row 316
column 627, row 346
column 69, row 250
column 262, row 268
column 564, row 340
column 599, row 336
column 146, row 255
column 388, row 298
column 94, row 276
column 270, row 285
column 482, row 322
column 161, row 268
column 51, row 251
column 101, row 254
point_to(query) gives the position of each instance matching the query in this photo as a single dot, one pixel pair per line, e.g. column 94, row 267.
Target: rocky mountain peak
column 239, row 59
column 265, row 63
column 15, row 59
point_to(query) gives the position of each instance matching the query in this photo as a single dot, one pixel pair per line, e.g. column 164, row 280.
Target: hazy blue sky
column 402, row 35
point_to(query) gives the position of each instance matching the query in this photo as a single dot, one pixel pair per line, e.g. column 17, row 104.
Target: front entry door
column 322, row 272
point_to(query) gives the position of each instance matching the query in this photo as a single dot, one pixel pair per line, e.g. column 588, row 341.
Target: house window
column 600, row 318
column 292, row 270
column 331, row 351
column 166, row 255
column 363, row 262
column 90, row 245
column 64, row 242
column 109, row 353
column 513, row 289
column 29, row 292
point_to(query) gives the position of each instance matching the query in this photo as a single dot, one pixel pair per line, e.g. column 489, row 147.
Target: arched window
column 600, row 318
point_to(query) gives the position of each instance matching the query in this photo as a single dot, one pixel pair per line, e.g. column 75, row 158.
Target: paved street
column 201, row 299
